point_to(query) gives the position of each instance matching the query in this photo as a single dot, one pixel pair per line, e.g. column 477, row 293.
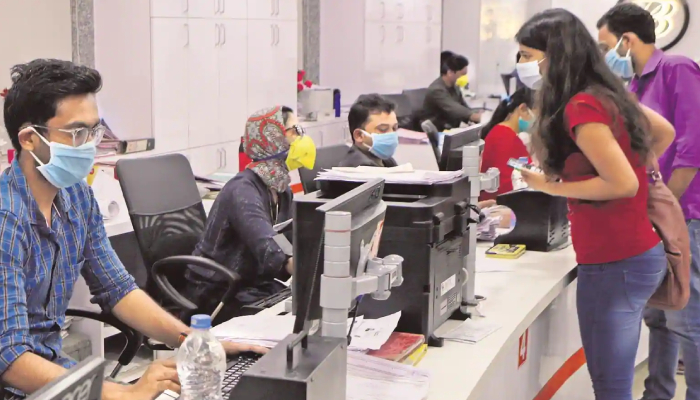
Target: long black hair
column 506, row 107
column 575, row 65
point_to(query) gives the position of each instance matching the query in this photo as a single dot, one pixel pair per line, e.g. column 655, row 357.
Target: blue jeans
column 610, row 300
column 671, row 330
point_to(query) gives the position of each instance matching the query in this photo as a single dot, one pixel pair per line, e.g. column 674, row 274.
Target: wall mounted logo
column 672, row 18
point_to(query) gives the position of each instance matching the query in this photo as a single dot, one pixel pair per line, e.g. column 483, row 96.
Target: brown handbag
column 666, row 215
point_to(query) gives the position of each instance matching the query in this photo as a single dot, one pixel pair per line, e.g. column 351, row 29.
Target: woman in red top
column 511, row 117
column 594, row 137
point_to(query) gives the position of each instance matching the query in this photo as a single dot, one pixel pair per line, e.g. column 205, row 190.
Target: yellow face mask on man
column 302, row 153
column 462, row 81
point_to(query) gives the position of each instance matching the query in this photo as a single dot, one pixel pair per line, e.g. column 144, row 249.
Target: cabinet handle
column 223, row 7
column 221, row 158
column 429, row 11
column 225, row 154
column 278, row 7
column 216, row 7
column 272, row 29
column 217, row 35
column 383, row 33
column 272, row 8
column 383, row 9
column 223, row 34
column 401, row 11
column 187, row 6
column 187, row 35
column 277, row 35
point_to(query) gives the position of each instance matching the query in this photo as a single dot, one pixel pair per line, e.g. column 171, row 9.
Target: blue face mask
column 68, row 165
column 523, row 125
column 383, row 144
column 621, row 66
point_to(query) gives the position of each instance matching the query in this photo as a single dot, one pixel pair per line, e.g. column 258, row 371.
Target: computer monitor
column 451, row 155
column 368, row 212
column 82, row 382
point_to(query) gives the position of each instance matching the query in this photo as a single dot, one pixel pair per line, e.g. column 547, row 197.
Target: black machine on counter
column 541, row 222
column 428, row 225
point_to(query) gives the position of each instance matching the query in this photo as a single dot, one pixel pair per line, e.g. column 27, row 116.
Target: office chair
column 416, row 98
column 166, row 211
column 326, row 158
column 134, row 339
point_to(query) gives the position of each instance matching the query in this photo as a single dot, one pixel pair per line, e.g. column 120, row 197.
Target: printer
column 428, row 225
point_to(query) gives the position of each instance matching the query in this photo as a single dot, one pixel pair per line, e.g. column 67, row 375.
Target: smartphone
column 516, row 164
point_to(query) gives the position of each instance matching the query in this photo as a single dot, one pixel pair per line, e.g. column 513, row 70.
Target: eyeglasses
column 82, row 135
column 298, row 129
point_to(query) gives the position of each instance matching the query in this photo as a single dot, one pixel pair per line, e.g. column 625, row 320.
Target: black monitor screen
column 451, row 156
column 82, row 382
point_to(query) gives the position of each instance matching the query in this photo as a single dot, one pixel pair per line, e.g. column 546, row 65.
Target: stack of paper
column 267, row 331
column 472, row 331
column 372, row 378
column 400, row 174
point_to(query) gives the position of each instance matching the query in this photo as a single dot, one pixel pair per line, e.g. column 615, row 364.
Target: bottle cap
column 201, row 321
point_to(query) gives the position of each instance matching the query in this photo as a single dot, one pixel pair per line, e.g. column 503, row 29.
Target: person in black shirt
column 373, row 125
column 239, row 231
column 444, row 104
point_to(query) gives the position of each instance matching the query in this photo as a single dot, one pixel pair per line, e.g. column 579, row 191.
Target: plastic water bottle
column 517, row 178
column 201, row 362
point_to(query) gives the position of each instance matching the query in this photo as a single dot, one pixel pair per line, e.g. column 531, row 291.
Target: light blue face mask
column 620, row 66
column 523, row 125
column 383, row 144
column 68, row 165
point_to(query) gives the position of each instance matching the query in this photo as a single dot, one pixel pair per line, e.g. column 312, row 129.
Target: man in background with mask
column 51, row 232
column 670, row 85
column 373, row 125
column 444, row 104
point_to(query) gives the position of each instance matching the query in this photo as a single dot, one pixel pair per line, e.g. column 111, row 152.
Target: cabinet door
column 236, row 9
column 262, row 37
column 205, row 37
column 287, row 10
column 233, row 79
column 434, row 47
column 434, row 11
column 231, row 156
column 286, row 64
column 206, row 160
column 204, row 8
column 397, row 63
column 377, row 10
column 170, row 8
column 262, row 9
column 375, row 40
column 170, row 47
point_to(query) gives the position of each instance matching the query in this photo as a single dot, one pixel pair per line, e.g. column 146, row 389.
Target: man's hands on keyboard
column 159, row 377
column 233, row 348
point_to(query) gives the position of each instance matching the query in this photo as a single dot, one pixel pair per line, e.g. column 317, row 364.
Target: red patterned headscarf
column 265, row 144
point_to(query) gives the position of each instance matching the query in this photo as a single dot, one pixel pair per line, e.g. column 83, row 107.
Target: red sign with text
column 522, row 348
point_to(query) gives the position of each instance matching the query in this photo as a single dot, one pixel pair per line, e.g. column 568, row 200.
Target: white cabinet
column 273, row 9
column 205, row 160
column 203, row 82
column 233, row 80
column 237, row 9
column 170, row 42
column 231, row 156
column 273, row 68
column 171, row 8
column 396, row 50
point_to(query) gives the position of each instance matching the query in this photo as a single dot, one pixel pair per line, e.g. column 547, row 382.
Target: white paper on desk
column 372, row 378
column 415, row 177
column 472, row 331
column 371, row 334
column 403, row 168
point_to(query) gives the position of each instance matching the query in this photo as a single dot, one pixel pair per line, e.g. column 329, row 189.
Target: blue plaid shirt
column 40, row 265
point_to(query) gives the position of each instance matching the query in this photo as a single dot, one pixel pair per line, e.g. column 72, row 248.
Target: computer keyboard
column 267, row 302
column 234, row 371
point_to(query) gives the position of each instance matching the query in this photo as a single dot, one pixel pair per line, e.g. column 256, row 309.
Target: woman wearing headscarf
column 239, row 231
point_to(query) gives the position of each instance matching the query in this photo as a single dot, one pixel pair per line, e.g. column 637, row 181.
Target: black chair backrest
column 326, row 158
column 165, row 208
column 416, row 98
column 403, row 104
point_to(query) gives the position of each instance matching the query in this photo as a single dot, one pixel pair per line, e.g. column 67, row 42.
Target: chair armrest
column 134, row 339
column 159, row 268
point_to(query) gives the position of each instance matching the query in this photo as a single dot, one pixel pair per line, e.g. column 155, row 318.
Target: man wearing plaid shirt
column 51, row 231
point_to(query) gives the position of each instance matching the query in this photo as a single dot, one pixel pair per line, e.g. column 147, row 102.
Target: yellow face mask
column 302, row 153
column 462, row 81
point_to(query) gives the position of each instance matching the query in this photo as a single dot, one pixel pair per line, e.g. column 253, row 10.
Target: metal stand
column 489, row 181
column 338, row 287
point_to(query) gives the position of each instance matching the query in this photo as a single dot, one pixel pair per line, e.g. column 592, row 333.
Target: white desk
column 535, row 294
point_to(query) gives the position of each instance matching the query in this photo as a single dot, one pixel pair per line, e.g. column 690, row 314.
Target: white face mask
column 529, row 74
